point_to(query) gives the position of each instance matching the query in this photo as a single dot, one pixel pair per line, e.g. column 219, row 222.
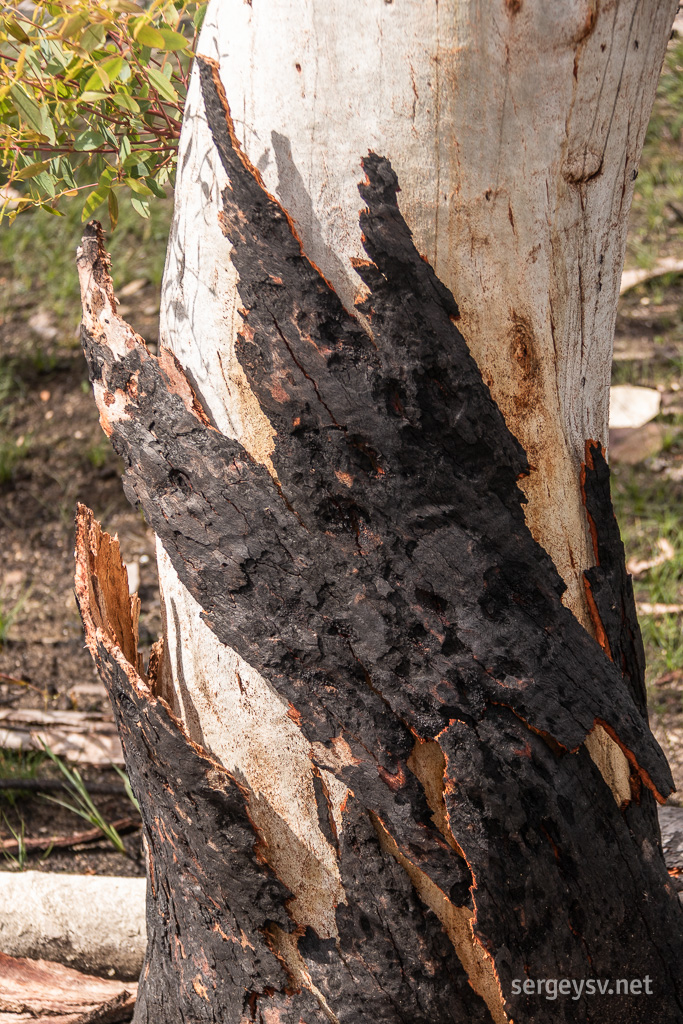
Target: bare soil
column 62, row 458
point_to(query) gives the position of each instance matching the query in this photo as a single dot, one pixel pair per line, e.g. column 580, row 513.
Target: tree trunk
column 393, row 755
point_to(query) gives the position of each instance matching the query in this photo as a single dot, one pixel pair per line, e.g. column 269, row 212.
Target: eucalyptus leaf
column 149, row 36
column 125, row 102
column 95, row 199
column 26, row 107
column 140, row 206
column 92, row 38
column 32, row 170
column 139, row 186
column 88, row 140
column 173, row 40
column 113, row 209
column 162, row 85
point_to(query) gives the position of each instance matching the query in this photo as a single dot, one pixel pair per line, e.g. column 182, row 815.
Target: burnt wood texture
column 386, row 584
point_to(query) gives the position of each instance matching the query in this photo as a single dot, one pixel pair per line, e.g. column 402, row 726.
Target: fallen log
column 93, row 923
column 81, row 736
column 49, row 993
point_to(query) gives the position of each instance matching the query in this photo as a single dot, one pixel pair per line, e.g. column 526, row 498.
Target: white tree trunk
column 515, row 128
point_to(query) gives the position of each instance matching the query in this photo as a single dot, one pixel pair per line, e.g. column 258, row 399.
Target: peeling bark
column 380, row 574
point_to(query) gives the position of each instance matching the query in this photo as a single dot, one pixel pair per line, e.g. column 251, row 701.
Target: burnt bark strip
column 608, row 584
column 609, row 589
column 214, row 905
column 388, row 587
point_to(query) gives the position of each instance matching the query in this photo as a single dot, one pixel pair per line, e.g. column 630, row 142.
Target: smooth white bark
column 515, row 127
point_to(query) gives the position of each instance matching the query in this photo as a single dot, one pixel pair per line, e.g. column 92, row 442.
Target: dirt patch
column 53, row 454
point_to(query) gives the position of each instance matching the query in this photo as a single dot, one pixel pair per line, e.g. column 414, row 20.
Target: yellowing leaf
column 95, row 199
column 16, row 31
column 32, row 170
column 92, row 97
column 139, row 187
column 148, row 35
column 19, row 66
column 113, row 209
column 73, row 25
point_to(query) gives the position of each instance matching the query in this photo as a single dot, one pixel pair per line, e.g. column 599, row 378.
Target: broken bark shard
column 388, row 587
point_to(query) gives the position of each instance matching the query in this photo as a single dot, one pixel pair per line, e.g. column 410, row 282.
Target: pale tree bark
column 435, row 780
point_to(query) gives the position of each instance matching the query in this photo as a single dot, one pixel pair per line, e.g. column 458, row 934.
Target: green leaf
column 173, row 40
column 67, row 173
column 46, row 183
column 93, row 97
column 140, row 206
column 156, row 188
column 125, row 150
column 53, row 210
column 36, row 116
column 88, row 140
column 26, row 107
column 139, row 186
column 198, row 17
column 162, row 85
column 32, row 170
column 106, row 177
column 48, row 128
column 95, row 199
column 92, row 38
column 113, row 209
column 148, row 35
column 105, row 73
column 125, row 102
column 73, row 25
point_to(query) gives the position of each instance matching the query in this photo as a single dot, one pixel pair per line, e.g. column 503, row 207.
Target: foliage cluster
column 91, row 100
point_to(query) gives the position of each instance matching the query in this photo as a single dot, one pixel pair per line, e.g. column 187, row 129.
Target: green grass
column 9, row 614
column 655, row 226
column 648, row 507
column 20, row 859
column 41, row 251
column 99, row 454
column 83, row 804
column 18, row 764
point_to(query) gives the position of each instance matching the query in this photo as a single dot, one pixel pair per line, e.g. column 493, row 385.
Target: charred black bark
column 609, row 590
column 215, row 910
column 387, row 585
